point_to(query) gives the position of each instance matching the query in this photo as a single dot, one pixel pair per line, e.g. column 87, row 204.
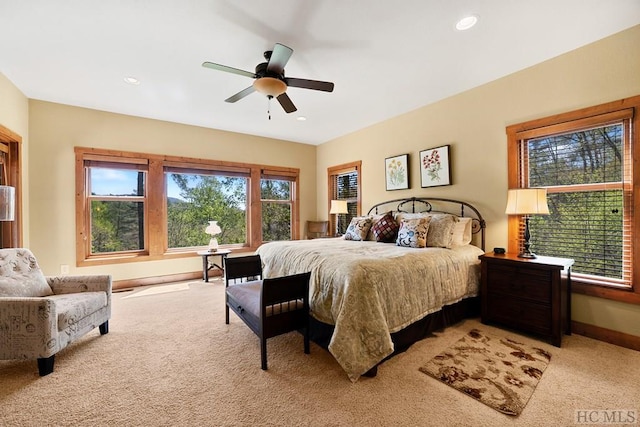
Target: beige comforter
column 369, row 290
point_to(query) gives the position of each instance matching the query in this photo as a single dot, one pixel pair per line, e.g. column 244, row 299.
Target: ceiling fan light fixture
column 270, row 86
column 132, row 80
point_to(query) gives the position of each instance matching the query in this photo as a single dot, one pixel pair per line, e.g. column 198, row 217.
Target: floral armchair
column 39, row 316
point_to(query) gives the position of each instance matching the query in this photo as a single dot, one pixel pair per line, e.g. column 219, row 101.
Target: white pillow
column 399, row 216
column 441, row 230
column 462, row 233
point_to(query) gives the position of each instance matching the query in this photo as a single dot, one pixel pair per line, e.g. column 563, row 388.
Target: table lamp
column 338, row 207
column 527, row 201
column 213, row 229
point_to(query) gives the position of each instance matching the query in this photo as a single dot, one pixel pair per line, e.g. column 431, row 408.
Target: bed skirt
column 321, row 333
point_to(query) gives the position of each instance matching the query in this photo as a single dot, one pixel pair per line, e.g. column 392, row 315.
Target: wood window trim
column 156, row 213
column 292, row 176
column 624, row 108
column 12, row 230
column 337, row 170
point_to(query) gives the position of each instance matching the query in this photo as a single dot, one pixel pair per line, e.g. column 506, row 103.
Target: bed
column 368, row 298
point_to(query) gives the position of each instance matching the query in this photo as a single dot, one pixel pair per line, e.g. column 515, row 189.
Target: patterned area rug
column 499, row 372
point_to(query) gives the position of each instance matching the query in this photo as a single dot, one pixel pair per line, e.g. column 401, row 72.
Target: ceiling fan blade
column 286, row 103
column 309, row 84
column 238, row 96
column 279, row 58
column 219, row 67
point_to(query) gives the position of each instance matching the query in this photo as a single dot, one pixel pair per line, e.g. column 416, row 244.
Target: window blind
column 587, row 174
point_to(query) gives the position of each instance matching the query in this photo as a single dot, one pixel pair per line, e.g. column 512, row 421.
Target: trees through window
column 585, row 161
column 134, row 206
column 344, row 184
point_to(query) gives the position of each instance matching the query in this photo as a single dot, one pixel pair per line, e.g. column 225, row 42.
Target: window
column 194, row 199
column 118, row 203
column 137, row 207
column 278, row 193
column 344, row 184
column 275, row 196
column 584, row 159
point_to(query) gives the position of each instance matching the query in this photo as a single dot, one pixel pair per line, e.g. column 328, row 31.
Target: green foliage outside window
column 276, row 209
column 116, row 226
column 585, row 170
column 204, row 198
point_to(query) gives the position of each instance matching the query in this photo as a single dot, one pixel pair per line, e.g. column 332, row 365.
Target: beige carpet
column 170, row 360
column 498, row 371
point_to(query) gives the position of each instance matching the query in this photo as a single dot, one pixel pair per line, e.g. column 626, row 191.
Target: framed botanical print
column 397, row 172
column 434, row 167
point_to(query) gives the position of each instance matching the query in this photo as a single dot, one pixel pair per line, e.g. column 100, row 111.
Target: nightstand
column 531, row 295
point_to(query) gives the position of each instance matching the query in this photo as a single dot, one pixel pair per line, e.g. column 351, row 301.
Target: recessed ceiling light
column 132, row 80
column 301, row 118
column 467, row 22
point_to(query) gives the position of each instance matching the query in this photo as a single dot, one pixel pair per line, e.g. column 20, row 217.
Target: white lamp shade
column 338, row 207
column 7, row 203
column 527, row 201
column 213, row 228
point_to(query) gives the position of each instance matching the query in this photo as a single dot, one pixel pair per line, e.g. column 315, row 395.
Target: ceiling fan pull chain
column 269, row 106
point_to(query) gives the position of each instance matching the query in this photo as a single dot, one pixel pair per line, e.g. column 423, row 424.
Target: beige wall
column 56, row 129
column 14, row 115
column 474, row 122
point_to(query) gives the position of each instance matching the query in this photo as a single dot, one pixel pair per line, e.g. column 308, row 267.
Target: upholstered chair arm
column 28, row 327
column 74, row 284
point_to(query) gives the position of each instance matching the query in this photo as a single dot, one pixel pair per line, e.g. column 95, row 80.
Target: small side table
column 206, row 265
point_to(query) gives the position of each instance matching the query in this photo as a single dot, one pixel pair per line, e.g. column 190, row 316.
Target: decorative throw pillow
column 413, row 232
column 20, row 275
column 374, row 219
column 358, row 228
column 385, row 229
column 462, row 234
column 441, row 230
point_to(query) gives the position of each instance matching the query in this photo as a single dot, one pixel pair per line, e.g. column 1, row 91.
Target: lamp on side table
column 527, row 201
column 338, row 207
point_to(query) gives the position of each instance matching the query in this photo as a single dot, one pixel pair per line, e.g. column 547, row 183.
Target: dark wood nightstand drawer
column 523, row 315
column 528, row 283
column 529, row 294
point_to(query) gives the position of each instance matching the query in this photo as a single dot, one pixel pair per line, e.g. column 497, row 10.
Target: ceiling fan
column 270, row 78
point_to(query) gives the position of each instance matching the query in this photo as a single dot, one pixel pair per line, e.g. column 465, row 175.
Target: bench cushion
column 247, row 295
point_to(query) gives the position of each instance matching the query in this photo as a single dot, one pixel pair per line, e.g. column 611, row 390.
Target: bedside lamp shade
column 527, row 201
column 338, row 207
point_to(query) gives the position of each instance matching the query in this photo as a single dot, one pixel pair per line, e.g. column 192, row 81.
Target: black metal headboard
column 435, row 205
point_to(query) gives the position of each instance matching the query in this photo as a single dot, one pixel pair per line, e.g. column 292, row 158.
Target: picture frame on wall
column 435, row 169
column 397, row 172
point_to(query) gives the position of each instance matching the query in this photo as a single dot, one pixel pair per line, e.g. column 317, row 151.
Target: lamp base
column 213, row 245
column 528, row 255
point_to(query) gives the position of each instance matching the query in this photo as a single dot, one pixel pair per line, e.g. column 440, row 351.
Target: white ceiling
column 385, row 57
